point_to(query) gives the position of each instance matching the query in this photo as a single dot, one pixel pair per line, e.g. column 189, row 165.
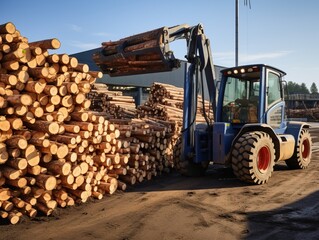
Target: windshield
column 241, row 99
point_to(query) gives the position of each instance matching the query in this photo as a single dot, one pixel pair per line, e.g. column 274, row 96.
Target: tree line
column 295, row 88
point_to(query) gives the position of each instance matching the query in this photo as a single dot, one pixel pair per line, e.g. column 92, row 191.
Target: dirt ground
column 215, row 206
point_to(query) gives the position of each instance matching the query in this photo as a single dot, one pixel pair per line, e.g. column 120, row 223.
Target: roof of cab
column 282, row 73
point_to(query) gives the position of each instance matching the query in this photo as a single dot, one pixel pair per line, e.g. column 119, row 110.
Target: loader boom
column 150, row 52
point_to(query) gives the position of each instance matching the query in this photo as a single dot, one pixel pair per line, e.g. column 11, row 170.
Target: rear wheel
column 253, row 157
column 303, row 150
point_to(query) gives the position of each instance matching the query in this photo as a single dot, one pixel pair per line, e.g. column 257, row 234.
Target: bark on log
column 46, row 44
column 43, row 126
column 8, row 27
column 17, row 141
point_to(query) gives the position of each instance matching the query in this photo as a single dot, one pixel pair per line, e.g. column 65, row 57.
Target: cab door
column 275, row 104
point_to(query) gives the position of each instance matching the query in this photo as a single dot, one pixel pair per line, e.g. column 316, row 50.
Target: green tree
column 304, row 89
column 313, row 88
column 295, row 88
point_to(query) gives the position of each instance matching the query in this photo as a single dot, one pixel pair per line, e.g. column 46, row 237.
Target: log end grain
column 13, row 218
column 54, row 128
column 5, row 194
column 8, row 27
column 47, row 182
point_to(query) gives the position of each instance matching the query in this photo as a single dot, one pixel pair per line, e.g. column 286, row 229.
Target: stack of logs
column 154, row 134
column 165, row 103
column 312, row 114
column 57, row 152
column 111, row 103
column 145, row 142
column 53, row 151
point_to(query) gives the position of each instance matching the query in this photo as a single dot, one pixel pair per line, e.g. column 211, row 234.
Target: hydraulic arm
column 150, row 52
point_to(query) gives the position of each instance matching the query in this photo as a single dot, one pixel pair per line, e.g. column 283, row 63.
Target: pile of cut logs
column 53, row 151
column 63, row 142
column 145, row 142
column 111, row 104
column 155, row 135
column 312, row 114
column 165, row 102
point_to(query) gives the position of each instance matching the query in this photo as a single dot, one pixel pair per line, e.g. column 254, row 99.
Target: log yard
column 81, row 160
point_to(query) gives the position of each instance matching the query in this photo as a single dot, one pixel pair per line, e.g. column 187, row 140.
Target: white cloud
column 228, row 58
column 223, row 56
column 85, row 46
column 75, row 28
column 263, row 56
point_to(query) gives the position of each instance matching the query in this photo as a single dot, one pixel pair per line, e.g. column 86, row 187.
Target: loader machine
column 249, row 132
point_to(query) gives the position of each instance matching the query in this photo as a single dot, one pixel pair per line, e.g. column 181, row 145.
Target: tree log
column 46, row 182
column 5, row 194
column 23, row 99
column 59, row 168
column 7, row 28
column 18, row 163
column 43, row 126
column 17, row 141
column 32, row 155
column 46, row 44
column 19, row 183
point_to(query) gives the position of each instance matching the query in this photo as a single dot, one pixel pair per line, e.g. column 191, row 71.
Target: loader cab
column 251, row 94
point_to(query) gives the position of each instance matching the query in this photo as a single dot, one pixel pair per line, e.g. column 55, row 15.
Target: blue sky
column 282, row 33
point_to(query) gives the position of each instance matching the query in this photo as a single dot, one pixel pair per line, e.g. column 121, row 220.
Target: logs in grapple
column 142, row 53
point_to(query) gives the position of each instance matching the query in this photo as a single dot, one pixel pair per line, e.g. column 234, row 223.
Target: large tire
column 303, row 151
column 253, row 157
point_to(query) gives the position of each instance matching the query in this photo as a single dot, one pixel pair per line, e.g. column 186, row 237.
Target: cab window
column 241, row 97
column 274, row 93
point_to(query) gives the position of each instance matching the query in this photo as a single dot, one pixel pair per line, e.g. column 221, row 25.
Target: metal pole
column 236, row 33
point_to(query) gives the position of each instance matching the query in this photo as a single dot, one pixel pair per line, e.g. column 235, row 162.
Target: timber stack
column 111, row 104
column 63, row 142
column 312, row 114
column 54, row 152
column 145, row 142
column 165, row 103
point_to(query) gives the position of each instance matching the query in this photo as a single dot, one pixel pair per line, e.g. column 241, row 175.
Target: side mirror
column 284, row 87
column 218, row 85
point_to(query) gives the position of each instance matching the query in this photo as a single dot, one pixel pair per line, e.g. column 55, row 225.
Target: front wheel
column 253, row 157
column 303, row 150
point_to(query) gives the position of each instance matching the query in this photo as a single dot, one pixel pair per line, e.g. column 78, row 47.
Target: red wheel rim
column 305, row 148
column 263, row 159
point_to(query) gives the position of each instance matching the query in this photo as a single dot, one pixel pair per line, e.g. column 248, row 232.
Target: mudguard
column 264, row 128
column 294, row 128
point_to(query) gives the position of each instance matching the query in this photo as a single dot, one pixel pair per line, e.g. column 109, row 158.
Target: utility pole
column 236, row 32
column 247, row 3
